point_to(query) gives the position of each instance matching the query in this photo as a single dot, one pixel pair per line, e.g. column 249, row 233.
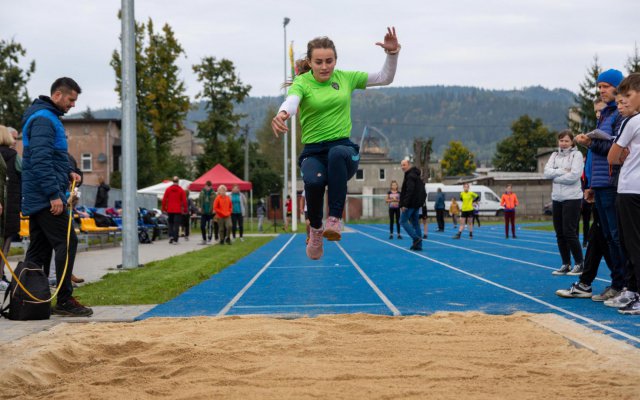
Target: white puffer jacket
column 565, row 168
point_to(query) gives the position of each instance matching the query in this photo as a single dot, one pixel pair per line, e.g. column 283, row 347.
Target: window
column 86, row 162
column 360, row 175
column 491, row 197
column 382, row 174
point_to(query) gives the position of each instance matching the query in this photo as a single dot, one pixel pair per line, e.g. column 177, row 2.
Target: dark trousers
column 628, row 206
column 586, row 210
column 237, row 224
column 440, row 218
column 185, row 222
column 566, row 215
column 510, row 218
column 174, row 225
column 48, row 233
column 476, row 217
column 394, row 216
column 597, row 248
column 410, row 223
column 206, row 226
column 329, row 164
column 606, row 209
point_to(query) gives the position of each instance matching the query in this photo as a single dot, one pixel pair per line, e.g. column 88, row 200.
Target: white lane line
column 310, row 266
column 515, row 247
column 544, row 303
column 246, row 287
column 375, row 288
column 519, row 239
column 493, row 255
column 315, row 305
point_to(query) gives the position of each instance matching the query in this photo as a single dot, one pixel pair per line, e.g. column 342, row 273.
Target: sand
column 443, row 356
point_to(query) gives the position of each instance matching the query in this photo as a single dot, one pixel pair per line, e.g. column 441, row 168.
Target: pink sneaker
column 314, row 245
column 332, row 229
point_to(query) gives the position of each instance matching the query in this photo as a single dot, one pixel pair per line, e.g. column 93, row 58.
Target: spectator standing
column 565, row 169
column 454, row 211
column 476, row 212
column 186, row 216
column 412, row 197
column 223, row 208
column 206, row 198
column 440, row 209
column 46, row 176
column 467, row 198
column 261, row 211
column 509, row 201
column 239, row 205
column 11, row 205
column 102, row 195
column 393, row 201
column 174, row 203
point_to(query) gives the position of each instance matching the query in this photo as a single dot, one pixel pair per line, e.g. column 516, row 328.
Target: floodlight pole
column 285, row 189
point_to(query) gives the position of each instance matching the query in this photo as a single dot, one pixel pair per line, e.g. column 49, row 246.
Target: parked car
column 489, row 202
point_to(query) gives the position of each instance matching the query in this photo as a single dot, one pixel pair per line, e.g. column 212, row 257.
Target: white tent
column 159, row 188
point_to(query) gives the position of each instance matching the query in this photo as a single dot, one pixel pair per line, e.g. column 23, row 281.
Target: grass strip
column 160, row 281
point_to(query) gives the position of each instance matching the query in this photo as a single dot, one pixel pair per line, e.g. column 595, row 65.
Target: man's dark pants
column 174, row 225
column 440, row 218
column 206, row 226
column 47, row 233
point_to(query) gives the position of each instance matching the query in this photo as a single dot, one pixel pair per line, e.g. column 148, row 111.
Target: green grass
column 160, row 281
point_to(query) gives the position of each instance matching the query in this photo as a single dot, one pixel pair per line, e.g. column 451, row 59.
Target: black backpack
column 143, row 236
column 21, row 306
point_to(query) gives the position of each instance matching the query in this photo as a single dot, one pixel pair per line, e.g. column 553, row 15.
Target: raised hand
column 390, row 43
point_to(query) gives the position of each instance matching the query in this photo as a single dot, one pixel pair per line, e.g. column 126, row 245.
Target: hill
column 478, row 117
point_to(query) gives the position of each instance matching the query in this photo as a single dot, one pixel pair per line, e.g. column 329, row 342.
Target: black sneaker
column 471, row 235
column 577, row 290
column 416, row 245
column 399, row 236
column 632, row 308
column 72, row 308
column 457, row 236
column 577, row 270
column 228, row 241
column 424, row 236
column 515, row 237
column 563, row 270
column 391, row 236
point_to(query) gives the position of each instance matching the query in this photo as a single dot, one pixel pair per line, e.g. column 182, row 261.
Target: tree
column 221, row 89
column 457, row 160
column 14, row 98
column 88, row 114
column 517, row 152
column 585, row 98
column 162, row 104
column 422, row 150
column 633, row 62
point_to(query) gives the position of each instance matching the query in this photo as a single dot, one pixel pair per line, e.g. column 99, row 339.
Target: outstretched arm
column 388, row 72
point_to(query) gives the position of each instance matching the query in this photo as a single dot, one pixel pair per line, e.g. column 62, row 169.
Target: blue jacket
column 439, row 201
column 597, row 168
column 45, row 163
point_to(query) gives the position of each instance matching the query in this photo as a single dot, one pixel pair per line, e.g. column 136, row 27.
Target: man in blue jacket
column 602, row 179
column 46, row 175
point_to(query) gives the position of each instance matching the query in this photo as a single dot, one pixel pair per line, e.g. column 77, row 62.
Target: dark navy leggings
column 329, row 164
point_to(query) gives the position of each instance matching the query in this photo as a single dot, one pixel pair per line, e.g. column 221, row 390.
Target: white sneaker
column 622, row 299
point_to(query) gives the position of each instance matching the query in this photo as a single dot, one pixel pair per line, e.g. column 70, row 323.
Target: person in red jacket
column 222, row 206
column 509, row 201
column 174, row 203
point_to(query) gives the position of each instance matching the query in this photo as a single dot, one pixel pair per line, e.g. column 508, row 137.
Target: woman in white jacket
column 565, row 168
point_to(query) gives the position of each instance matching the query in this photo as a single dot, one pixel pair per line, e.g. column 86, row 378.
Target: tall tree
column 221, row 89
column 633, row 62
column 517, row 152
column 457, row 160
column 585, row 98
column 14, row 98
column 162, row 103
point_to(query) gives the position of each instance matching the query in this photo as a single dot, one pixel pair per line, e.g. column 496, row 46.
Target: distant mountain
column 478, row 117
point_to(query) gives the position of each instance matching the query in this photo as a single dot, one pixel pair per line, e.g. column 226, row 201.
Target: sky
column 491, row 44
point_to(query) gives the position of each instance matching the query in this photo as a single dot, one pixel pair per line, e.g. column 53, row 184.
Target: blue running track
column 368, row 273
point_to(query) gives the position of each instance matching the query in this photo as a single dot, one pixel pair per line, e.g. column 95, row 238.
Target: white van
column 489, row 202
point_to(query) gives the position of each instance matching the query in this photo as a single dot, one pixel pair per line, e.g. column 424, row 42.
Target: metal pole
column 129, row 151
column 294, row 189
column 246, row 153
column 286, row 147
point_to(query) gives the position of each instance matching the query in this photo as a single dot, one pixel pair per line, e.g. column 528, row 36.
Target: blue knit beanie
column 611, row 76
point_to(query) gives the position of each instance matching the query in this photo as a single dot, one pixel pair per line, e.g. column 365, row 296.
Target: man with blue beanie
column 602, row 178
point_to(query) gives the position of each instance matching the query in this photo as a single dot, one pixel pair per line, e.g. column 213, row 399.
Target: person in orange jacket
column 509, row 201
column 223, row 207
column 174, row 203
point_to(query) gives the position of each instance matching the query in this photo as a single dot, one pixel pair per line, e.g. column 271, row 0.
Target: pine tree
column 517, row 152
column 162, row 104
column 14, row 98
column 633, row 62
column 457, row 160
column 584, row 100
column 221, row 89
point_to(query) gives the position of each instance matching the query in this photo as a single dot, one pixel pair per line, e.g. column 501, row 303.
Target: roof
column 219, row 175
column 505, row 176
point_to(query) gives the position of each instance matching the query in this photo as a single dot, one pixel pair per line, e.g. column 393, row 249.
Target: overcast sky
column 490, row 43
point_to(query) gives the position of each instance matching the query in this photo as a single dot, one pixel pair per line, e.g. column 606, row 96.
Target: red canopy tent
column 219, row 175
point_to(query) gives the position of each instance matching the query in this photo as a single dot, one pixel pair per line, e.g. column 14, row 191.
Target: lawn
column 160, row 281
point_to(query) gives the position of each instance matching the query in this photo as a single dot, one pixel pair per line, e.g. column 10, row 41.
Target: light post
column 286, row 178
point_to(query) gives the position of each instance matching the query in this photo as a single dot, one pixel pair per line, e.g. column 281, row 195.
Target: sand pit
column 444, row 356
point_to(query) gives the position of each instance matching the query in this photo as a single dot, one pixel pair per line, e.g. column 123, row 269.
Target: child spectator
column 509, row 201
column 223, row 207
column 454, row 211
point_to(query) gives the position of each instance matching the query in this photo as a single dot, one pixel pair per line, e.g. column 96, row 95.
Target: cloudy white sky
column 489, row 43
